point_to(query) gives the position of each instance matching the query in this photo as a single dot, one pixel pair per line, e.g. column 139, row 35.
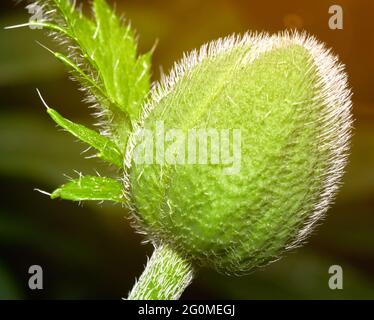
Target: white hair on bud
column 336, row 118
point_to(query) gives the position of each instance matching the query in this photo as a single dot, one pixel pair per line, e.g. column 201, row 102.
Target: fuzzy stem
column 165, row 277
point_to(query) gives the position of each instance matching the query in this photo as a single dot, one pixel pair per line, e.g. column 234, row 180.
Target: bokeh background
column 89, row 251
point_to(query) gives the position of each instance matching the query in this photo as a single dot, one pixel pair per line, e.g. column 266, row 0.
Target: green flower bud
column 287, row 98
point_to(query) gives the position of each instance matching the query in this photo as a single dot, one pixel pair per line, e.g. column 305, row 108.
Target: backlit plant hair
column 286, row 93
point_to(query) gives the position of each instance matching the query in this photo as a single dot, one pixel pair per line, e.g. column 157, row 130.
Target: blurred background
column 89, row 251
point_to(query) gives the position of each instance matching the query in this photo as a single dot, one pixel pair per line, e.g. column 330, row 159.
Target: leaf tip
column 41, row 98
column 43, row 192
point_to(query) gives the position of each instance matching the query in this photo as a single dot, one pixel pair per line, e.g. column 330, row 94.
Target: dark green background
column 90, row 251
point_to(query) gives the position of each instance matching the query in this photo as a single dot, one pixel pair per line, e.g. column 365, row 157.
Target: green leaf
column 90, row 188
column 107, row 64
column 78, row 71
column 108, row 150
column 126, row 77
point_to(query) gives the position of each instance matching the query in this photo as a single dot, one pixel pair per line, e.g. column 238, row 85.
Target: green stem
column 165, row 277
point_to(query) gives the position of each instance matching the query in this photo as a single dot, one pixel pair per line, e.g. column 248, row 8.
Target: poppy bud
column 276, row 112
